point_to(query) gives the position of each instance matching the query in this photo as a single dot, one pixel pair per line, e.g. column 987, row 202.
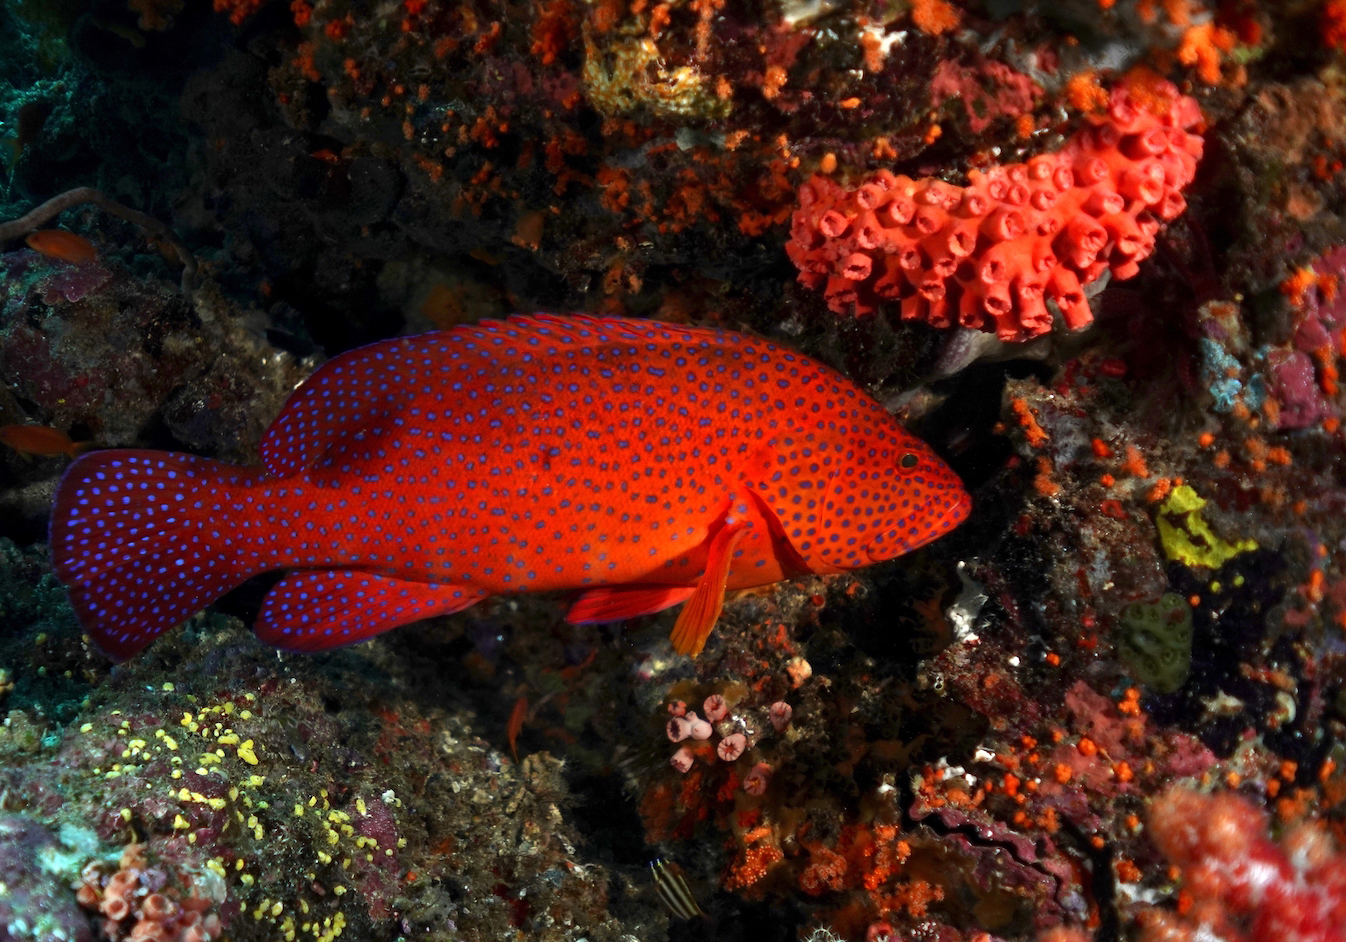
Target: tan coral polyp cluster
column 991, row 254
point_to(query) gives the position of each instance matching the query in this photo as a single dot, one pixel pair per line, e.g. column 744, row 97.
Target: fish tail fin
column 138, row 540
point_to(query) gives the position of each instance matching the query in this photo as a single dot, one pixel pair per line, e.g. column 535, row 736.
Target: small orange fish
column 66, row 246
column 516, row 718
column 40, row 441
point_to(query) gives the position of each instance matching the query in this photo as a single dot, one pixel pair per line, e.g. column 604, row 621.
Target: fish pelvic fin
column 619, row 602
column 138, row 540
column 697, row 618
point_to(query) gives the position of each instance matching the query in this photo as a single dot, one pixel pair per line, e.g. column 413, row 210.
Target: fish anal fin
column 320, row 609
column 614, row 603
column 697, row 618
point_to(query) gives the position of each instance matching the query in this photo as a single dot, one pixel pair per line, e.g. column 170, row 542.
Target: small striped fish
column 671, row 885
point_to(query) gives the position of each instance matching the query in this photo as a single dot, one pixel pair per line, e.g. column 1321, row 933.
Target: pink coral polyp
column 990, row 255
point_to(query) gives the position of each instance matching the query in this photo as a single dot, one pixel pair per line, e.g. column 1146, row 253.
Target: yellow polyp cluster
column 215, row 804
column 331, row 928
column 202, row 748
column 1188, row 538
column 216, row 800
column 324, row 930
column 246, row 750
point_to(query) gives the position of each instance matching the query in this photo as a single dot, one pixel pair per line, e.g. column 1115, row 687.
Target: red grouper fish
column 645, row 464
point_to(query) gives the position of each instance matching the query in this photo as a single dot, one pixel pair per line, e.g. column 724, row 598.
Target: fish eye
column 908, row 461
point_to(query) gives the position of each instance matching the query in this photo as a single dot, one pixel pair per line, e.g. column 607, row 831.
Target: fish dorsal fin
column 355, row 390
column 363, row 389
column 587, row 329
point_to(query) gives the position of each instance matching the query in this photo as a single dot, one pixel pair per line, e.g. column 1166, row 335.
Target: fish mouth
column 949, row 520
column 891, row 545
column 959, row 511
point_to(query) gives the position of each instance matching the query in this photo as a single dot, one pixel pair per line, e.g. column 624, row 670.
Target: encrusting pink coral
column 682, row 759
column 678, row 728
column 991, row 254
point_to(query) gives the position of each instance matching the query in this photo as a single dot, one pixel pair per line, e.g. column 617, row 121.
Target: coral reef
column 279, row 811
column 1238, row 883
column 993, row 254
column 136, row 901
column 35, row 876
column 1055, row 724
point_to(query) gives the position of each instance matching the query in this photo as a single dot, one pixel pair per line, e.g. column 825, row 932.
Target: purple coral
column 1296, row 388
column 36, row 904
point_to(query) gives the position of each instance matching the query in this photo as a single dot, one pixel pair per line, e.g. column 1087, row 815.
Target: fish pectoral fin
column 697, row 618
column 616, row 602
column 317, row 610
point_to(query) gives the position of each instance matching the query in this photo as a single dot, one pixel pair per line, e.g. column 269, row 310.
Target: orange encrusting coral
column 934, row 16
column 991, row 254
column 135, row 906
column 1202, row 46
column 1332, row 24
column 238, row 10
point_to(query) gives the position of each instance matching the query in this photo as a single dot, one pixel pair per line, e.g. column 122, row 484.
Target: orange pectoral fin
column 697, row 618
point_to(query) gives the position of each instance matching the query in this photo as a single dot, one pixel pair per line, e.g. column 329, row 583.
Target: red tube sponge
column 992, row 253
